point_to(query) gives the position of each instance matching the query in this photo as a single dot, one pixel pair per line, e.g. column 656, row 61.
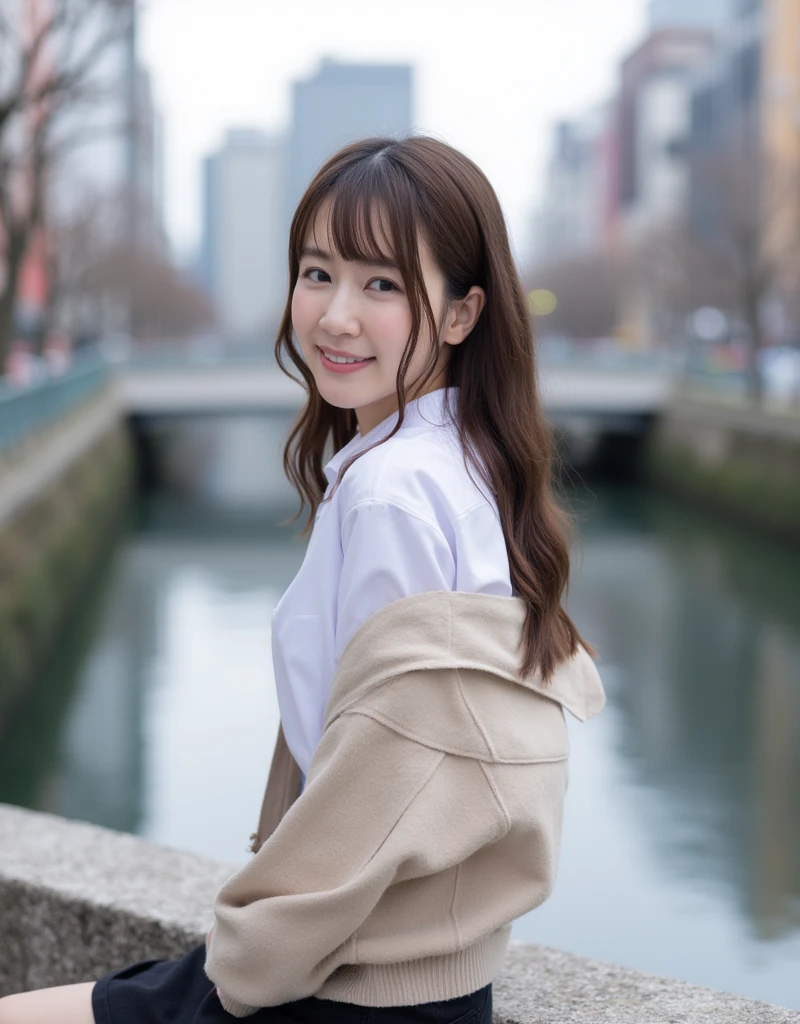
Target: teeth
column 342, row 359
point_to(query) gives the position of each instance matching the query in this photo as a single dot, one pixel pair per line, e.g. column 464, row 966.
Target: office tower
column 575, row 216
column 338, row 104
column 243, row 254
column 711, row 14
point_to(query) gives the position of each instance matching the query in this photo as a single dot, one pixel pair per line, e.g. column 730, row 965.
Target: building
column 745, row 140
column 713, row 14
column 576, row 215
column 145, row 160
column 243, row 254
column 726, row 114
column 781, row 96
column 654, row 117
column 339, row 104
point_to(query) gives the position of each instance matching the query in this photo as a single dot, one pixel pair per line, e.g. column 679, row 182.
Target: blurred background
column 647, row 158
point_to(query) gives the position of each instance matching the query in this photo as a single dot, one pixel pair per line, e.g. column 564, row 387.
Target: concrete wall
column 63, row 493
column 77, row 901
column 741, row 463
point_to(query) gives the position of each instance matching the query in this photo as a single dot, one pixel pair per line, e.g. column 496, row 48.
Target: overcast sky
column 490, row 77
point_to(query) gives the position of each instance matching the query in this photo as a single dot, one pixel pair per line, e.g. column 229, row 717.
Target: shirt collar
column 428, row 410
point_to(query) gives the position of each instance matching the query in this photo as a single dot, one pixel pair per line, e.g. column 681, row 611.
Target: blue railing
column 23, row 410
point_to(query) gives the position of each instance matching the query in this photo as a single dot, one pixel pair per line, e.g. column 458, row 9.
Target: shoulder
column 423, row 474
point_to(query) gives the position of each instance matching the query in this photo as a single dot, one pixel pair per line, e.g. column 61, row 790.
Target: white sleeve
column 388, row 553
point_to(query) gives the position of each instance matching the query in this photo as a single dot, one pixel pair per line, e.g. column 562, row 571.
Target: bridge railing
column 24, row 410
column 171, row 356
column 612, row 360
column 191, row 353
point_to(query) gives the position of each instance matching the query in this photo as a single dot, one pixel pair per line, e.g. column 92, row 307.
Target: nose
column 341, row 317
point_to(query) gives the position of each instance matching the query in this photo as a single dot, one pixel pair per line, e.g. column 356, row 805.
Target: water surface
column 681, row 846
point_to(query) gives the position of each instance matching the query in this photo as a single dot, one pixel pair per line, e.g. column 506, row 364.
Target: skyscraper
column 243, row 255
column 338, row 104
column 689, row 13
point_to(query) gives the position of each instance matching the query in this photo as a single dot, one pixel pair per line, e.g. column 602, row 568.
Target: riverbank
column 737, row 462
column 66, row 490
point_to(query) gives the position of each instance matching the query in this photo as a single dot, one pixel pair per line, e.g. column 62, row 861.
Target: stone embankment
column 77, row 901
column 65, row 487
column 738, row 462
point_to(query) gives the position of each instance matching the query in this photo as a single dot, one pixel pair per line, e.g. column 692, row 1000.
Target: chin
column 339, row 397
column 339, row 403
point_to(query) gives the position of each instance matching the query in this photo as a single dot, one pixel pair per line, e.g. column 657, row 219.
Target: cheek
column 390, row 321
column 302, row 311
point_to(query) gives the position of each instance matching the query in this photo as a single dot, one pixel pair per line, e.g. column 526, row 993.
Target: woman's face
column 361, row 310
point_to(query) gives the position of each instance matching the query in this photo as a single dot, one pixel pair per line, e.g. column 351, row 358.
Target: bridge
column 617, row 395
column 620, row 389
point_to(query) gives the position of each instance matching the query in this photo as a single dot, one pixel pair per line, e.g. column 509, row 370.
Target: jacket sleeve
column 368, row 817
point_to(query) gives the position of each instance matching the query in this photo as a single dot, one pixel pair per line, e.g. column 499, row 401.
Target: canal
column 681, row 852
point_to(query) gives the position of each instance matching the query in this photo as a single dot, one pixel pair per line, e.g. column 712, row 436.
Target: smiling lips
column 340, row 353
column 343, row 367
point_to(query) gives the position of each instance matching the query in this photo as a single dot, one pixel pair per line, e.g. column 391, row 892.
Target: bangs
column 372, row 216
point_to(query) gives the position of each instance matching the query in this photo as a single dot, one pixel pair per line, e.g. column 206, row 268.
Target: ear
column 462, row 316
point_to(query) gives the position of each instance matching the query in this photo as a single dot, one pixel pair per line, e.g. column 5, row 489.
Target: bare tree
column 51, row 75
column 165, row 304
column 676, row 275
column 95, row 268
column 587, row 288
column 77, row 240
column 738, row 247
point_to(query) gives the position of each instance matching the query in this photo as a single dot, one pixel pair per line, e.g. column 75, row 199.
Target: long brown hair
column 422, row 185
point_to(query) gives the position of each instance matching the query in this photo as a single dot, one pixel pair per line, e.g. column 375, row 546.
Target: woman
column 423, row 658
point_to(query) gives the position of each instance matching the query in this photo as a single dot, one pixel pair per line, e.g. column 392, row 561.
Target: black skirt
column 179, row 992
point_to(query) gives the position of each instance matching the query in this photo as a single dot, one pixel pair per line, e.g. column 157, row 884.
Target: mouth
column 343, row 367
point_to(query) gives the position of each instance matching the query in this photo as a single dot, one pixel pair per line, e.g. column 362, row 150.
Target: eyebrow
column 320, row 254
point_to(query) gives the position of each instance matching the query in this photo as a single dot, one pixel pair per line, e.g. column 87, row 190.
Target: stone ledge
column 770, row 420
column 77, row 900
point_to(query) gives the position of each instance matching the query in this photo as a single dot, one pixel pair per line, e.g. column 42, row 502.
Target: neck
column 369, row 416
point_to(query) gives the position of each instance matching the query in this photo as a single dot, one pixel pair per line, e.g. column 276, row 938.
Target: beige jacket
column 430, row 820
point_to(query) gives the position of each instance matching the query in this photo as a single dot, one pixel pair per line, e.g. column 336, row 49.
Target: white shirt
column 406, row 518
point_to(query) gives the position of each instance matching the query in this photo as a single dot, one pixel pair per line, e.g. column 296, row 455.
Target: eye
column 314, row 270
column 384, row 280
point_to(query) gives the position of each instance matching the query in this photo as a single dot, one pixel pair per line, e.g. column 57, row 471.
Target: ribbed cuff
column 235, row 1008
column 424, row 980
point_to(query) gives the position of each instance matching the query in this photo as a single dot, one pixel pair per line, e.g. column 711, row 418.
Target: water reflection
column 682, row 839
column 681, row 850
column 710, row 698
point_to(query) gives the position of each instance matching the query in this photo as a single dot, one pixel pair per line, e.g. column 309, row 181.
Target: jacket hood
column 470, row 642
